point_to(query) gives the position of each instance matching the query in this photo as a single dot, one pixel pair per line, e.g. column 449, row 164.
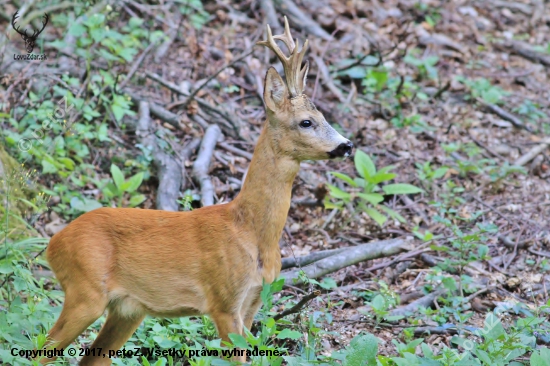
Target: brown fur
column 211, row 260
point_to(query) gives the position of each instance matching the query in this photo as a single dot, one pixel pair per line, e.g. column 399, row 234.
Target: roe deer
column 211, row 260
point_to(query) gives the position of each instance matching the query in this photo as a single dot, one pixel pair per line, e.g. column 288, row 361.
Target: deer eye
column 306, row 123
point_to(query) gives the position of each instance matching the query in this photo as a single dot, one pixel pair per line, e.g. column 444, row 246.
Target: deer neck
column 263, row 203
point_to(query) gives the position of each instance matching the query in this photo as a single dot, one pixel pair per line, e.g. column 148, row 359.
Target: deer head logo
column 29, row 40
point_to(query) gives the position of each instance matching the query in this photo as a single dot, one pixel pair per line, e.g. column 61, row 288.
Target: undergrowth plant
column 366, row 192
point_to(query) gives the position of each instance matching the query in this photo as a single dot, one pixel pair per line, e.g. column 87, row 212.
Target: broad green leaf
column 378, row 303
column 345, row 178
column 164, row 342
column 84, row 204
column 449, row 283
column 493, row 328
column 329, row 205
column 440, row 172
column 540, row 357
column 401, row 188
column 69, row 164
column 338, row 193
column 48, row 167
column 118, row 177
column 328, row 283
column 376, row 216
column 373, row 198
column 137, row 199
column 238, row 340
column 360, row 182
column 289, row 334
column 362, row 351
column 135, row 182
column 393, row 214
column 364, row 164
column 381, row 77
column 382, row 177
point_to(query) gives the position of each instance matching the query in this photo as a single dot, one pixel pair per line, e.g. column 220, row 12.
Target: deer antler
column 13, row 20
column 44, row 23
column 294, row 73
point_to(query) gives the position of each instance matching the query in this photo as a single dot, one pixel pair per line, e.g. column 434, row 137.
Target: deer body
column 212, row 260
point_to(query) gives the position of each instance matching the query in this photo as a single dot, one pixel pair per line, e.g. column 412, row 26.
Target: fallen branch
column 203, row 103
column 233, row 149
column 323, row 71
column 507, row 116
column 450, row 329
column 531, row 154
column 308, row 259
column 296, row 308
column 524, row 50
column 271, row 16
column 202, row 164
column 158, row 111
column 347, row 258
column 171, row 36
column 425, row 302
column 211, row 77
column 136, row 64
column 301, row 19
column 169, row 171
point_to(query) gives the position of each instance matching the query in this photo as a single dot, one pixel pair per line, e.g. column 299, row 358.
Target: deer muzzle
column 343, row 150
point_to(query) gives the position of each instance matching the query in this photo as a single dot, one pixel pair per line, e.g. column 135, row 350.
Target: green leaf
column 494, row 327
column 84, row 204
column 364, row 164
column 137, row 199
column 345, row 178
column 289, row 334
column 382, row 177
column 362, row 350
column 329, row 205
column 440, row 172
column 118, row 177
column 376, row 216
column 378, row 303
column 491, row 96
column 69, row 164
column 540, row 357
column 135, row 182
column 328, row 283
column 373, row 198
column 381, row 77
column 449, row 283
column 48, row 167
column 401, row 188
column 238, row 340
column 338, row 193
column 393, row 214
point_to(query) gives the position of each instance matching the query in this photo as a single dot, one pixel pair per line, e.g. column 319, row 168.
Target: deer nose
column 343, row 150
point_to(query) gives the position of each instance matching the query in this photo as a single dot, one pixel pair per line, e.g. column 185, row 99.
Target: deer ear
column 275, row 91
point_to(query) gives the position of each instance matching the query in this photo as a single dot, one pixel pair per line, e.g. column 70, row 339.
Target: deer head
column 29, row 40
column 297, row 128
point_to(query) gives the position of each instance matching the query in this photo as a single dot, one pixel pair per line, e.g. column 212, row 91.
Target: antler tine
column 294, row 73
column 272, row 45
column 286, row 37
column 44, row 23
column 13, row 20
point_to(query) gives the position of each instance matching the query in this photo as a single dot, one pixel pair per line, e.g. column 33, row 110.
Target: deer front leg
column 229, row 323
column 250, row 313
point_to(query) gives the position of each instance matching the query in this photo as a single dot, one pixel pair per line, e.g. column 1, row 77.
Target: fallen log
column 346, row 258
column 202, row 164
